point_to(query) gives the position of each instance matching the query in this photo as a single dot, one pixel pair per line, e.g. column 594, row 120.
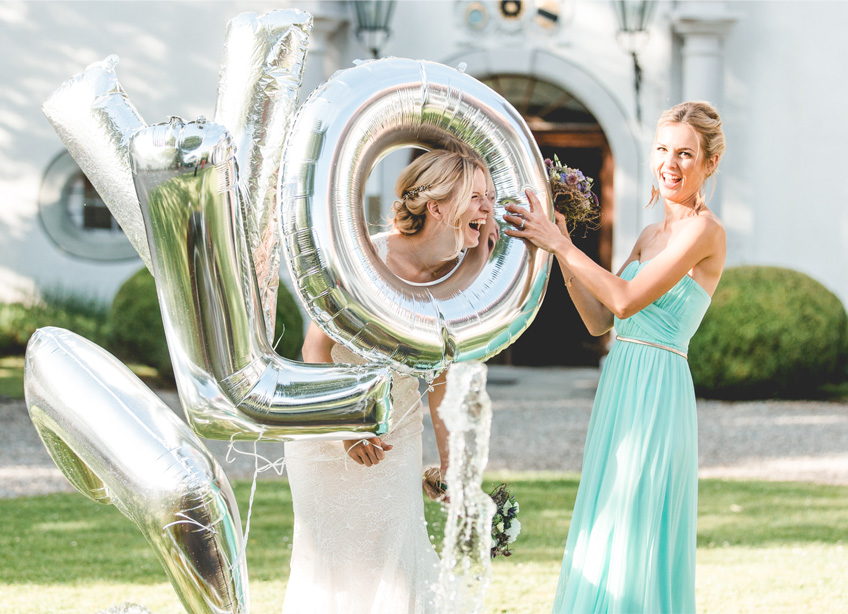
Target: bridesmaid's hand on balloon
column 559, row 218
column 533, row 225
column 367, row 452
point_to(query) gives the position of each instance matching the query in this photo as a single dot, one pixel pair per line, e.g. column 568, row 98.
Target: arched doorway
column 562, row 125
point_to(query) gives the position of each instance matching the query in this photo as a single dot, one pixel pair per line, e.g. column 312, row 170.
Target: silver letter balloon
column 207, row 205
column 344, row 128
column 117, row 443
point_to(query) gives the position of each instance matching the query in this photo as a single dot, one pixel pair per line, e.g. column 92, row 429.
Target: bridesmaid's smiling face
column 678, row 163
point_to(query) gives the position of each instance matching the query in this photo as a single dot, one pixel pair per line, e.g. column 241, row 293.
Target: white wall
column 170, row 54
column 785, row 172
column 782, row 193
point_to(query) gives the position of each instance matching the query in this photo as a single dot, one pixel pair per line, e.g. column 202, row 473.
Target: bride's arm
column 434, row 400
column 317, row 347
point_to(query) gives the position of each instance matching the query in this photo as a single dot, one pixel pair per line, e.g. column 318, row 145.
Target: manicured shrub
column 135, row 321
column 84, row 316
column 289, row 324
column 139, row 336
column 769, row 333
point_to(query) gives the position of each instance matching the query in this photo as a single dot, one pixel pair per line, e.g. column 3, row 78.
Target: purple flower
column 572, row 179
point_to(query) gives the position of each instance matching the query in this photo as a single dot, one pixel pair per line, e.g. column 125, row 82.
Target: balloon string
column 277, row 465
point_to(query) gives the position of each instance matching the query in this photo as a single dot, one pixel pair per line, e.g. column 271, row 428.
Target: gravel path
column 540, row 417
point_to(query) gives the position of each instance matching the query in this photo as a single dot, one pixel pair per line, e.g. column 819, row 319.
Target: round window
column 76, row 218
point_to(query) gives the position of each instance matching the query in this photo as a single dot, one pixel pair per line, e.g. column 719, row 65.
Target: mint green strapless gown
column 631, row 544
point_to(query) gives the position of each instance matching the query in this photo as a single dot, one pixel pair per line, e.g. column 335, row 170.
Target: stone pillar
column 703, row 26
column 322, row 60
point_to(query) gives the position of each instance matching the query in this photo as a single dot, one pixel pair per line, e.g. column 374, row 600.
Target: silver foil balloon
column 340, row 133
column 117, row 443
column 93, row 116
column 231, row 384
column 258, row 86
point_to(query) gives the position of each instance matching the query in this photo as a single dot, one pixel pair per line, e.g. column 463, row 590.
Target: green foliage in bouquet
column 505, row 524
column 769, row 333
column 139, row 336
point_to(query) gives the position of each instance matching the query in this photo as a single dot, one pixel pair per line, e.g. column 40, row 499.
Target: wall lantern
column 633, row 18
column 372, row 23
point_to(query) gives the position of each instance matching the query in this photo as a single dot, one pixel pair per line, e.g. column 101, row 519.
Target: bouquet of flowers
column 572, row 195
column 505, row 525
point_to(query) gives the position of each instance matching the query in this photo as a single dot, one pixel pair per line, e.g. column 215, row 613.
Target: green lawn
column 762, row 547
column 12, row 377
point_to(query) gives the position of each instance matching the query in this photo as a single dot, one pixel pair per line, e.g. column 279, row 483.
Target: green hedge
column 18, row 321
column 139, row 336
column 136, row 324
column 769, row 333
column 289, row 324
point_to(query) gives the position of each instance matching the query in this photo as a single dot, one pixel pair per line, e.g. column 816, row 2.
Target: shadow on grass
column 66, row 538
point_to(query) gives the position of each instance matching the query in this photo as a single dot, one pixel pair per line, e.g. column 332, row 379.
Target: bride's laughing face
column 476, row 215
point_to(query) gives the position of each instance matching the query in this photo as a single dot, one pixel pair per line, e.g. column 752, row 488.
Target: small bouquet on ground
column 505, row 525
column 573, row 196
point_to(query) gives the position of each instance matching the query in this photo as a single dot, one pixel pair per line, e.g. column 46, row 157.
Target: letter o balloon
column 340, row 134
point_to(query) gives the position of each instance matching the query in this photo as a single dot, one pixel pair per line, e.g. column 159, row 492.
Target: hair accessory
column 409, row 194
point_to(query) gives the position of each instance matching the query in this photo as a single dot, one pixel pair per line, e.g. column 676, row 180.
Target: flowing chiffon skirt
column 631, row 543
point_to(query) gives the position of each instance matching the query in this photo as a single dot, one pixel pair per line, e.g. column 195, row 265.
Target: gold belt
column 653, row 345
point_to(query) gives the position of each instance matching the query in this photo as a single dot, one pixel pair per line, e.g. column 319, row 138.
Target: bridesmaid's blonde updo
column 438, row 176
column 706, row 122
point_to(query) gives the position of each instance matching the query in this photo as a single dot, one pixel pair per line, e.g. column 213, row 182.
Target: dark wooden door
column 557, row 336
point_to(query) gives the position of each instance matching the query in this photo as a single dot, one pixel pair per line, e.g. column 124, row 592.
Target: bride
column 360, row 541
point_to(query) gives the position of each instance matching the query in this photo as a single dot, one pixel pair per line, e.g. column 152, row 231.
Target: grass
column 12, row 377
column 762, row 547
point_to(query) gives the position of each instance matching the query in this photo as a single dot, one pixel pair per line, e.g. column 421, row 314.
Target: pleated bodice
column 670, row 320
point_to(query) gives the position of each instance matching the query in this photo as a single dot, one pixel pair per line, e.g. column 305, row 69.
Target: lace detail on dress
column 360, row 543
column 381, row 243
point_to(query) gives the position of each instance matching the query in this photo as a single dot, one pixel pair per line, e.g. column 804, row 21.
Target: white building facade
column 773, row 69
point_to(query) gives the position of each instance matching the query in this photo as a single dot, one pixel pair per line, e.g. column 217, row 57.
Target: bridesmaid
column 631, row 544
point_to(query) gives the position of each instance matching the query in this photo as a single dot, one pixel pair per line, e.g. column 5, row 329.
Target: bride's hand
column 367, row 452
column 534, row 226
column 434, row 486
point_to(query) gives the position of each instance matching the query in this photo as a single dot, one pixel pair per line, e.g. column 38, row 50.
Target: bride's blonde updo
column 706, row 122
column 438, row 176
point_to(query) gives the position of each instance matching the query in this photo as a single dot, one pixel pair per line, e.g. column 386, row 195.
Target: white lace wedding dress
column 360, row 539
